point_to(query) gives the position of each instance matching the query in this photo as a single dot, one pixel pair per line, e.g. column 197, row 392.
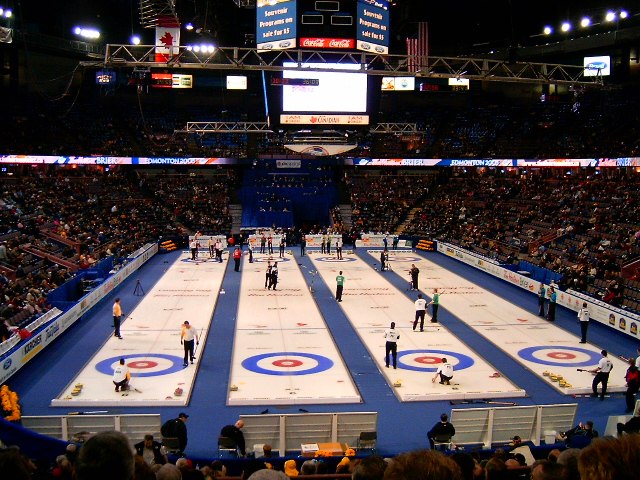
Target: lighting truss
column 153, row 13
column 250, row 59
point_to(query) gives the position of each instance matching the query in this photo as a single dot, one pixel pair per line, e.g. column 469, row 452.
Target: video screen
column 337, row 92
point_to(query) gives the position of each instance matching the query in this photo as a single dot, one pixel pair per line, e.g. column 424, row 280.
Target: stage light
column 623, row 14
column 547, row 30
column 189, row 26
column 7, row 13
column 585, row 22
column 566, row 26
column 610, row 17
column 135, row 40
column 88, row 33
column 196, row 48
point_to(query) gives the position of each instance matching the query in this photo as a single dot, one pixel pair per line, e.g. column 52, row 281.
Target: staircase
column 409, row 218
column 236, row 218
column 345, row 214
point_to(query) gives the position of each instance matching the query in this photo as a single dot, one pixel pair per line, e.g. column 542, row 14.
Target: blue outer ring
column 527, row 354
column 334, row 260
column 251, row 363
column 266, row 259
column 464, row 361
column 404, row 259
column 106, row 366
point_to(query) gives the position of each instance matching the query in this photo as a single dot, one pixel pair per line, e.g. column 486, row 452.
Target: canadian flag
column 167, row 43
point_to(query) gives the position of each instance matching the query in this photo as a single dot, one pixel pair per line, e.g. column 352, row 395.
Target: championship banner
column 167, row 43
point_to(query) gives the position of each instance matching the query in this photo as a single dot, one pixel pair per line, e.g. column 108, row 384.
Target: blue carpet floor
column 401, row 426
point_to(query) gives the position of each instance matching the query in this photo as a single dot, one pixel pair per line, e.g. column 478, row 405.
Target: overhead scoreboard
column 323, row 24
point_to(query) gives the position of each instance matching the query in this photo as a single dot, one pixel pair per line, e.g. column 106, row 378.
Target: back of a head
column 309, row 467
column 547, row 470
column 105, row 456
column 370, row 468
column 422, row 465
column 609, row 458
column 268, row 474
column 495, row 469
column 168, row 471
column 466, row 463
column 569, row 458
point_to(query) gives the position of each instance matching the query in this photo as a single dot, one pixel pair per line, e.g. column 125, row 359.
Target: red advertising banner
column 323, row 43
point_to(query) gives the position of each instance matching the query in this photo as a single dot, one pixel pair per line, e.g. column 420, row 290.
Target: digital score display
column 296, row 82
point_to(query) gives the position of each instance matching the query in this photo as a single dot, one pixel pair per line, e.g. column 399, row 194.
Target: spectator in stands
column 370, row 468
column 546, row 470
column 218, row 469
column 309, row 467
column 268, row 474
column 611, row 458
column 267, row 451
column 105, row 456
column 569, row 459
column 495, row 468
column 234, row 432
column 468, row 465
column 442, row 428
column 422, row 465
column 168, row 471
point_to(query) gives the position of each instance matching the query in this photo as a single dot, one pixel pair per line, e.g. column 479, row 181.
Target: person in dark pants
column 542, row 299
column 303, row 245
column 391, row 335
column 435, row 304
column 632, row 378
column 339, row 286
column 267, row 275
column 237, row 255
column 234, row 432
column 583, row 317
column 421, row 307
column 443, row 427
column 602, row 375
column 551, row 311
column 414, row 272
column 117, row 317
column 273, row 277
column 187, row 337
column 176, row 428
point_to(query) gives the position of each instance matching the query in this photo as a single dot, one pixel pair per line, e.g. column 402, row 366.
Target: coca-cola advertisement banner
column 324, row 43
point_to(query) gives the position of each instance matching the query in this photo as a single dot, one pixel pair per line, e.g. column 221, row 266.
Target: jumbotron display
column 336, row 92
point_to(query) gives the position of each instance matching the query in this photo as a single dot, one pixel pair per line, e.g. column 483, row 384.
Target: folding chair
column 367, row 441
column 227, row 448
column 442, row 442
column 171, row 444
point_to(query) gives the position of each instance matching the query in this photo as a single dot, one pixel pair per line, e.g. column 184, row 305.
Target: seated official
column 632, row 426
column 234, row 432
column 440, row 429
column 151, row 451
column 583, row 429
